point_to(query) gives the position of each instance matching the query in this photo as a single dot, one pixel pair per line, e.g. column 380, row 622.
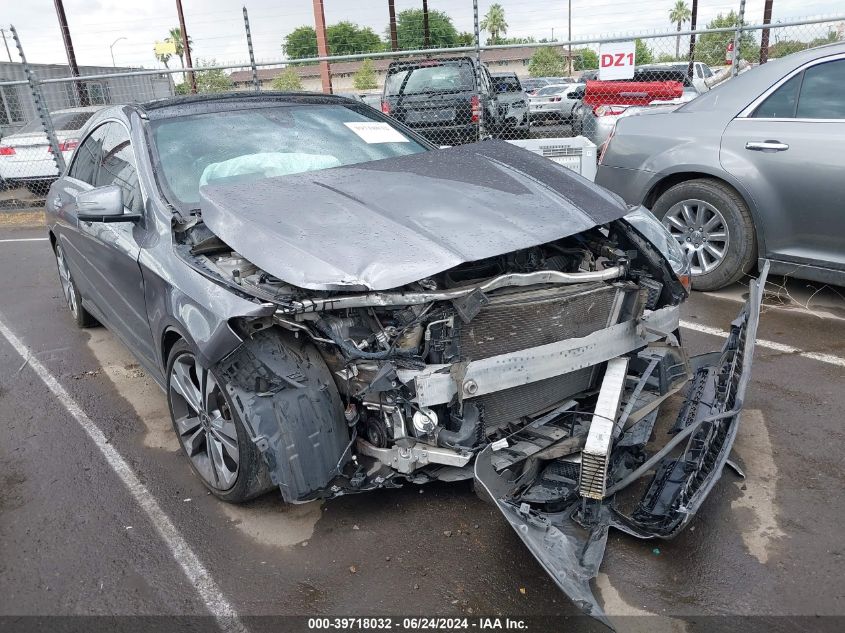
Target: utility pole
column 693, row 20
column 426, row 34
column 6, row 44
column 81, row 92
column 322, row 45
column 391, row 10
column 764, row 37
column 186, row 47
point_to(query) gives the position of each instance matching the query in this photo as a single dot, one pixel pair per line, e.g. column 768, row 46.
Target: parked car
column 701, row 72
column 555, row 103
column 333, row 305
column 605, row 101
column 26, row 157
column 533, row 84
column 754, row 168
column 443, row 99
column 513, row 106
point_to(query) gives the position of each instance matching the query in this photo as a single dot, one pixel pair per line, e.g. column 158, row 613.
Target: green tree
column 711, row 47
column 175, row 36
column 642, row 53
column 409, row 29
column 301, row 42
column 365, row 78
column 163, row 58
column 211, row 80
column 546, row 62
column 347, row 38
column 465, row 38
column 787, row 47
column 679, row 14
column 344, row 38
column 587, row 59
column 287, row 80
column 494, row 23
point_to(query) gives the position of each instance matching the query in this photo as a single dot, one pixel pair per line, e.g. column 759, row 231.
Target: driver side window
column 117, row 166
column 87, row 158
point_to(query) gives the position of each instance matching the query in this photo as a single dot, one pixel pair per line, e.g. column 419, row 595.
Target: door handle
column 58, row 202
column 766, row 146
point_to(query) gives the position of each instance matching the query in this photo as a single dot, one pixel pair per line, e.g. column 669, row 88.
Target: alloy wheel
column 204, row 422
column 66, row 281
column 702, row 231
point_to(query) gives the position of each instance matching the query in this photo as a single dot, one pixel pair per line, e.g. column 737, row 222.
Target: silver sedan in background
column 751, row 169
column 554, row 103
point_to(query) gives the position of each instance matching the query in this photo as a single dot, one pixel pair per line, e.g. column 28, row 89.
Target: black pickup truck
column 447, row 100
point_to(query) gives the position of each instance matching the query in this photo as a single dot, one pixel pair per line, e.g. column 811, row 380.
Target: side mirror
column 103, row 204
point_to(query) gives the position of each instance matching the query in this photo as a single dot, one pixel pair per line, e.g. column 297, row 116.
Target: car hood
column 387, row 223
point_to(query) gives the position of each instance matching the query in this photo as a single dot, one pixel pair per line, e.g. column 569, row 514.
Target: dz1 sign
column 616, row 60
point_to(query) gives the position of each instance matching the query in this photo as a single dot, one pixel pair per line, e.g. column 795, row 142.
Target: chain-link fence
column 450, row 85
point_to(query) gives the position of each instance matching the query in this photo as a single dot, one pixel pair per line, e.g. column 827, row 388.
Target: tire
column 207, row 439
column 80, row 315
column 727, row 225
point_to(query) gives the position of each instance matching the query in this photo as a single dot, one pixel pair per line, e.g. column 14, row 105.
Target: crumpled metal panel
column 387, row 223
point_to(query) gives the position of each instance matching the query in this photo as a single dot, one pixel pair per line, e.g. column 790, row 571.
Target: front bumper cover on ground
column 569, row 542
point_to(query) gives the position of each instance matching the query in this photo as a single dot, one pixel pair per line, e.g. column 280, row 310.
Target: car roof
column 734, row 95
column 193, row 104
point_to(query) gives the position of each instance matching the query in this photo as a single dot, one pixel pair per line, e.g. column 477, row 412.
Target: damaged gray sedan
column 333, row 305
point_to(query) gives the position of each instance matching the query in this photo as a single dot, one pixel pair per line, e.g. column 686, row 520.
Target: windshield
column 449, row 77
column 249, row 144
column 61, row 121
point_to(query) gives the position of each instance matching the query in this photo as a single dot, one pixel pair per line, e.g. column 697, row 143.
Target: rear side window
column 117, row 166
column 781, row 103
column 87, row 157
column 822, row 93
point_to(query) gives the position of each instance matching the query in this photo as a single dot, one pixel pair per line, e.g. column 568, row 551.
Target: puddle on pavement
column 136, row 387
column 756, row 510
column 620, row 612
column 268, row 521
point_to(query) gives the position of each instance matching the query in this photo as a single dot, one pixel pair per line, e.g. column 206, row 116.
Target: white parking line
column 26, row 239
column 196, row 572
column 830, row 359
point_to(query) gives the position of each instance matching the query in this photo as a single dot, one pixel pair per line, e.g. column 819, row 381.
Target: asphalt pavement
column 77, row 539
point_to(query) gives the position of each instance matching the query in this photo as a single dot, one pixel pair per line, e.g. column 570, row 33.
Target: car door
column 115, row 248
column 786, row 150
column 61, row 201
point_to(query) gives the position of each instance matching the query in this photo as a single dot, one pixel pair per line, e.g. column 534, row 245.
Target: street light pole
column 111, row 50
column 569, row 37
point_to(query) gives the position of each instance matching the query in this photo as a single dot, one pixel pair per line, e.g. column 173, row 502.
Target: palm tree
column 163, row 58
column 176, row 37
column 679, row 14
column 494, row 22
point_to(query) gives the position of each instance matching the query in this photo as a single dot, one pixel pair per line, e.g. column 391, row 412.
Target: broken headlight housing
column 645, row 222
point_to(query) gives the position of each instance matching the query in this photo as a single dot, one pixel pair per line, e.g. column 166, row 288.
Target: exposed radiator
column 501, row 407
column 520, row 320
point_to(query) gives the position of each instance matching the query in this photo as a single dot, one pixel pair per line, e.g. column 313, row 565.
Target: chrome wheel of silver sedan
column 67, row 282
column 204, row 422
column 701, row 230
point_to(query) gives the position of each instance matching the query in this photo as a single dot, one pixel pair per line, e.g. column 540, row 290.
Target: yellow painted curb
column 22, row 218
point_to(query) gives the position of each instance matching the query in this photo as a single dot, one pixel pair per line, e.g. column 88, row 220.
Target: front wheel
column 80, row 315
column 210, row 432
column 712, row 223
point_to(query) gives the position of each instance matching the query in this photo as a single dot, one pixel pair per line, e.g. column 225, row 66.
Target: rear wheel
column 713, row 225
column 74, row 301
column 210, row 432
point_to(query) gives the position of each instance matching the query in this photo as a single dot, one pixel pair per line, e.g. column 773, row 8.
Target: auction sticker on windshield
column 375, row 132
column 616, row 60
